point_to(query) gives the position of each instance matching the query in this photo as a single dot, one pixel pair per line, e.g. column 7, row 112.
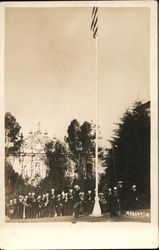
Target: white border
column 84, row 235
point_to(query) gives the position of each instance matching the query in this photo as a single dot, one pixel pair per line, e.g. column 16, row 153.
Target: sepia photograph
column 79, row 108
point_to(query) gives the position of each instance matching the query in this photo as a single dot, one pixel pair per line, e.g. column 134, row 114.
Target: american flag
column 94, row 24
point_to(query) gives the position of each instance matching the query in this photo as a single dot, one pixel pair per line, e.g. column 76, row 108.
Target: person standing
column 121, row 197
column 115, row 201
column 62, row 202
column 39, row 207
column 134, row 198
column 43, row 207
column 25, row 208
column 110, row 201
column 11, row 209
column 20, row 207
column 77, row 201
column 52, row 203
column 47, row 205
column 70, row 202
column 58, row 205
column 65, row 205
column 29, row 202
column 15, row 208
column 89, row 203
column 33, row 205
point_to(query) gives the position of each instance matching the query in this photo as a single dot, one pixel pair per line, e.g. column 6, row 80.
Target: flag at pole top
column 94, row 24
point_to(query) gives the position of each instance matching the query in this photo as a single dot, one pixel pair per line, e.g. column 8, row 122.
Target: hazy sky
column 50, row 66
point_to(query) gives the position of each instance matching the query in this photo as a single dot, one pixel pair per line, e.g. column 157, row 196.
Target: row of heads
column 65, row 194
column 133, row 188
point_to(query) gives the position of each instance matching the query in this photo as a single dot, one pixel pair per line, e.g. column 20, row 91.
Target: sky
column 50, row 66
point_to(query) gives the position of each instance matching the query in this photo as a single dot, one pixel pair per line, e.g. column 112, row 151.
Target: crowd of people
column 73, row 203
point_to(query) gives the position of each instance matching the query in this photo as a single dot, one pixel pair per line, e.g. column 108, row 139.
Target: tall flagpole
column 96, row 210
column 96, row 89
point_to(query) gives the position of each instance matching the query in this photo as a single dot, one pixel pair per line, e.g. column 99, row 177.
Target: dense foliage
column 14, row 183
column 13, row 137
column 58, row 163
column 128, row 159
column 81, row 142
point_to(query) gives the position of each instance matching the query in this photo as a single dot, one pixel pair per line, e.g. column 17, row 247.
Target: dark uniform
column 11, row 209
column 89, row 203
column 77, row 201
column 121, row 200
column 52, row 203
column 29, row 208
column 39, row 206
column 58, row 205
column 62, row 197
column 25, row 207
column 70, row 202
column 43, row 207
column 20, row 207
column 82, row 203
column 15, row 209
column 102, row 202
column 115, row 202
column 47, row 205
column 66, row 205
column 33, row 206
column 134, row 198
column 110, row 201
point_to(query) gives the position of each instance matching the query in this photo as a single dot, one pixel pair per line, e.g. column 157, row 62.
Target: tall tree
column 14, row 184
column 128, row 159
column 13, row 137
column 57, row 162
column 81, row 142
column 73, row 139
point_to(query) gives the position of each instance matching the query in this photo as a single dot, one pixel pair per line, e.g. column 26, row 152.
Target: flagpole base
column 96, row 210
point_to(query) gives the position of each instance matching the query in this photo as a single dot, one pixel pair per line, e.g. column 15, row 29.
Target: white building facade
column 30, row 162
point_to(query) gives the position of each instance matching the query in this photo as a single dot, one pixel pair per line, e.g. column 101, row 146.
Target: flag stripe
column 93, row 10
column 94, row 17
column 94, row 24
column 95, row 33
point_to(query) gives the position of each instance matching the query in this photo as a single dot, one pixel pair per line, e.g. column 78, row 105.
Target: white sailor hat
column 59, row 195
column 89, row 191
column 115, row 188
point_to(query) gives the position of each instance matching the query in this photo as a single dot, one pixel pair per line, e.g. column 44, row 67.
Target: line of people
column 72, row 203
column 48, row 204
